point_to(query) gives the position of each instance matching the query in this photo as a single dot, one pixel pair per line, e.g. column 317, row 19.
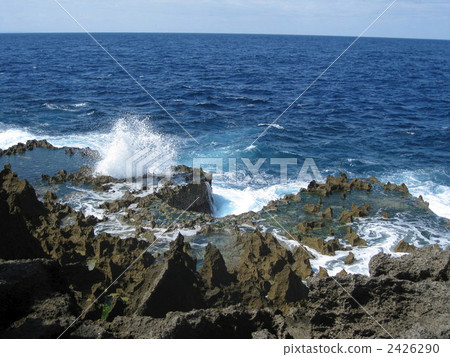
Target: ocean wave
column 421, row 184
column 272, row 125
column 133, row 137
column 236, row 200
column 65, row 107
column 128, row 136
column 12, row 136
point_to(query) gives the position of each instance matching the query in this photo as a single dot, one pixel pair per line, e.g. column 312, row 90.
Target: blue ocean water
column 383, row 109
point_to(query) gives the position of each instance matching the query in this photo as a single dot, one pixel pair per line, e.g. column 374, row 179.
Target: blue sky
column 407, row 18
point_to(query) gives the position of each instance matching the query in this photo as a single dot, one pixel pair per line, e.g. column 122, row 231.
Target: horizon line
column 215, row 33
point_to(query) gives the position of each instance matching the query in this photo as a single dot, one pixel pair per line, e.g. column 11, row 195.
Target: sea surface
column 382, row 110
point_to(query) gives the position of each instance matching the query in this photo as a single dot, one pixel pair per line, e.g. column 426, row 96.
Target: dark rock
column 350, row 259
column 287, row 288
column 319, row 244
column 172, row 287
column 428, row 263
column 327, row 214
column 19, row 212
column 302, row 265
column 342, row 274
column 378, row 307
column 307, row 227
column 263, row 257
column 231, row 322
column 404, row 247
column 346, row 217
column 311, row 208
column 214, row 271
column 323, row 273
column 393, row 187
column 25, row 282
column 20, row 148
column 355, row 240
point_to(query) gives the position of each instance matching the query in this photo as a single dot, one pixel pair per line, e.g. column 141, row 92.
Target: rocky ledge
column 54, row 268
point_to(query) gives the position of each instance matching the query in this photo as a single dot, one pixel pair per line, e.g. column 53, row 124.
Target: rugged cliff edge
column 54, row 268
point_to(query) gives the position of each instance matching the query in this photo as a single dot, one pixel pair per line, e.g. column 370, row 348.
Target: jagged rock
column 384, row 214
column 338, row 183
column 342, row 274
column 307, row 227
column 349, row 259
column 20, row 148
column 118, row 205
column 328, row 213
column 404, row 247
column 430, row 262
column 323, row 273
column 420, row 199
column 192, row 196
column 292, row 197
column 271, row 206
column 287, row 288
column 346, row 217
column 174, row 286
column 355, row 240
column 214, row 271
column 360, row 211
column 408, row 295
column 146, row 234
column 263, row 257
column 360, row 185
column 23, row 283
column 311, row 208
column 405, row 295
column 335, row 184
column 393, row 187
column 231, row 322
column 319, row 244
column 19, row 211
column 302, row 265
column 356, row 211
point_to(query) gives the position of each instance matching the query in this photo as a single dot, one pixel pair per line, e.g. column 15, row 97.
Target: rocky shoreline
column 243, row 282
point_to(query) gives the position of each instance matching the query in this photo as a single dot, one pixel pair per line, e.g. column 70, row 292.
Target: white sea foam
column 128, row 137
column 235, row 200
column 381, row 236
column 419, row 184
column 65, row 107
column 277, row 126
column 12, row 136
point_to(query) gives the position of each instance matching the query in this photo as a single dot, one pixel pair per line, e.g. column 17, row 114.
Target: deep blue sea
column 383, row 109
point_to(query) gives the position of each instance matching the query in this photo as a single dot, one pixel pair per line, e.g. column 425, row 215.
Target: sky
column 406, row 18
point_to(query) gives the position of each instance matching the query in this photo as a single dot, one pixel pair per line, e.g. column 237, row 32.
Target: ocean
column 382, row 110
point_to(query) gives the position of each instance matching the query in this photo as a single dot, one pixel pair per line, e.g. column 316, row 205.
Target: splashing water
column 128, row 137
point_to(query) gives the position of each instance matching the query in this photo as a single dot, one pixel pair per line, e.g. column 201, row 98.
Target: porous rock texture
column 54, row 276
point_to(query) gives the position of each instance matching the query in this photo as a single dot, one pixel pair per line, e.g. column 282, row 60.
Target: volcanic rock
column 349, row 259
column 307, row 227
column 214, row 271
column 302, row 265
column 404, row 247
column 19, row 212
column 319, row 244
column 173, row 286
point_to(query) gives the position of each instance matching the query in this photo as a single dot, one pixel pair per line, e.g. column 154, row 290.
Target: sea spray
column 129, row 136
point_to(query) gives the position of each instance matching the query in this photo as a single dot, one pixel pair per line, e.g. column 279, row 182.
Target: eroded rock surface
column 54, row 265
